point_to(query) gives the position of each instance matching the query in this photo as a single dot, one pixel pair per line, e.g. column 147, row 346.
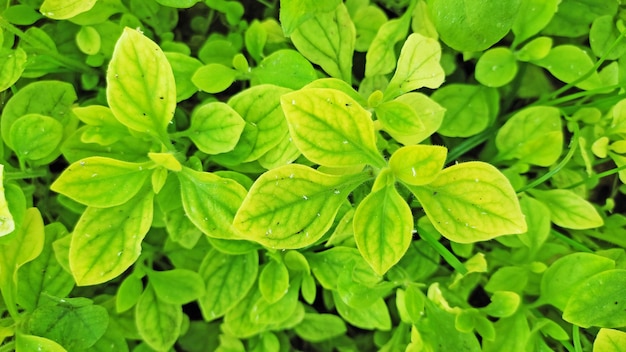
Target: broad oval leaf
column 399, row 118
column 376, row 316
column 428, row 113
column 320, row 327
column 88, row 40
column 330, row 128
column 64, row 9
column 36, row 136
column 418, row 165
column 381, row 55
column 496, row 67
column 214, row 78
column 176, row 286
column 158, row 322
column 577, row 65
column 599, row 301
column 274, row 281
column 382, row 228
column 471, row 202
column 228, row 278
column 36, row 343
column 12, row 64
column 101, row 182
column 568, row 209
column 532, row 17
column 106, row 241
column 285, row 68
column 609, row 340
column 140, row 85
column 215, row 128
column 293, row 206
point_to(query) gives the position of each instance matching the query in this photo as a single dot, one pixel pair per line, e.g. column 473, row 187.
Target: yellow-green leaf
column 7, row 224
column 158, row 323
column 166, row 160
column 418, row 164
column 274, row 281
column 215, row 128
column 568, row 209
column 64, row 9
column 609, row 340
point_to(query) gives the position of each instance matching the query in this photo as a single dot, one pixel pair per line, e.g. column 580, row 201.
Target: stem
column 598, row 176
column 576, row 245
column 470, row 143
column 576, row 338
column 26, row 174
column 448, row 256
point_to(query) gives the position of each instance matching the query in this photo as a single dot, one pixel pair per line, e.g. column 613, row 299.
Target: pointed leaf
column 285, row 68
column 609, row 340
column 418, row 165
column 215, row 128
column 12, row 63
column 63, row 9
column 158, row 323
column 376, row 316
column 532, row 17
column 36, row 343
column 330, row 128
column 107, row 241
column 140, row 85
column 471, row 202
column 7, row 224
column 274, row 281
column 294, row 12
column 128, row 293
column 578, row 63
column 320, row 327
column 101, row 182
column 381, row 55
column 293, row 206
column 568, row 209
column 177, row 286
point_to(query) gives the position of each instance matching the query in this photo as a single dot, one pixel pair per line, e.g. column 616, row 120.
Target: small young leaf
column 128, row 293
column 532, row 17
column 399, row 118
column 228, row 278
column 609, row 340
column 418, row 66
column 103, row 128
column 158, row 322
column 568, row 209
column 285, row 68
column 140, row 85
column 166, row 160
column 274, row 281
column 471, row 202
column 88, row 40
column 214, row 78
column 381, row 55
column 330, row 128
column 105, row 243
column 496, row 67
column 176, row 286
column 278, row 312
column 418, row 165
column 63, row 9
column 503, row 304
column 12, row 63
column 215, row 128
column 469, row 108
column 210, row 201
column 320, row 327
column 599, row 301
column 382, row 228
column 578, row 63
column 533, row 135
column 535, row 49
column 428, row 115
column 602, row 35
column 101, row 182
column 183, row 67
column 36, row 136
column 293, row 206
column 7, row 224
column 373, row 317
column 328, row 40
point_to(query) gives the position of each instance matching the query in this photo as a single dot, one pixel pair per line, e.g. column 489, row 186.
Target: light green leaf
column 469, row 108
column 183, row 67
column 367, row 21
column 328, row 265
column 538, row 220
column 105, row 243
column 578, row 63
column 158, row 323
column 214, row 78
column 36, row 136
column 103, row 128
column 533, row 135
column 294, row 12
column 228, row 278
column 330, row 128
column 179, row 4
column 12, row 63
column 328, row 39
column 293, row 206
column 128, row 293
column 64, row 9
column 474, row 26
column 567, row 273
column 609, row 340
column 428, row 114
column 503, row 304
column 535, row 49
column 215, row 128
column 140, row 85
column 255, row 39
column 88, row 40
column 602, row 35
column 418, row 165
column 210, row 201
column 239, row 322
column 101, row 182
column 274, row 281
column 320, row 327
column 418, row 66
column 36, row 343
column 532, row 17
column 285, row 68
column 512, row 334
column 382, row 226
column 278, row 312
column 496, row 67
column 573, row 17
column 381, row 55
column 7, row 224
column 167, row 161
column 471, row 202
column 376, row 316
column 568, row 209
column 176, row 286
column 599, row 301
column 399, row 118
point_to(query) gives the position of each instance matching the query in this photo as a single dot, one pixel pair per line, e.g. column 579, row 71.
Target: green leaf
column 512, row 334
column 376, row 316
column 503, row 304
column 566, row 274
column 36, row 343
column 399, row 118
column 215, row 128
column 239, row 322
column 140, row 85
column 62, row 9
column 183, row 67
column 496, row 67
column 381, row 55
column 330, row 264
column 101, row 182
column 573, row 17
column 476, row 25
column 214, row 78
column 609, row 340
column 293, row 206
column 12, row 63
column 274, row 281
column 294, row 12
column 471, row 202
column 179, row 4
column 427, row 115
column 533, row 135
column 210, row 201
column 103, row 128
column 535, row 49
column 330, row 128
column 328, row 39
column 599, row 301
column 106, row 241
column 469, row 108
column 88, row 40
column 578, row 64
column 382, row 226
column 320, row 327
column 277, row 312
column 285, row 68
column 532, row 17
column 158, row 322
column 228, row 278
column 418, row 165
column 568, row 209
column 602, row 35
column 7, row 223
column 367, row 21
column 176, row 286
column 74, row 327
column 418, row 66
column 128, row 293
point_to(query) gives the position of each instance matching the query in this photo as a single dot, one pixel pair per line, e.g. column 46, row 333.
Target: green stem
column 576, row 245
column 598, row 176
column 470, row 143
column 448, row 256
column 26, row 174
column 576, row 338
